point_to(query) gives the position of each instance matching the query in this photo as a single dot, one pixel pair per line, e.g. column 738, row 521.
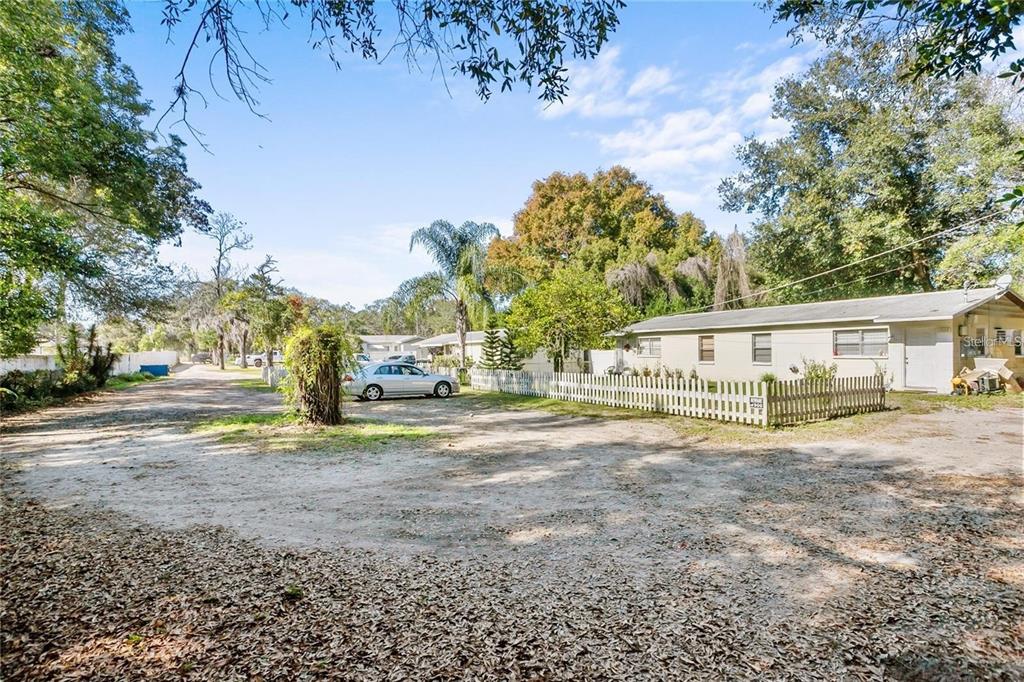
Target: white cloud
column 686, row 152
column 654, row 80
column 598, row 89
column 680, row 140
column 758, row 104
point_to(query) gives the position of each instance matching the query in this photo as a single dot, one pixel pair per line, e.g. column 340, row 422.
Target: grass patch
column 285, row 432
column 254, row 385
column 509, row 401
column 923, row 403
column 123, row 381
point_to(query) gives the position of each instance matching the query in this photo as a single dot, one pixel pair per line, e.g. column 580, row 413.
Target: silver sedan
column 393, row 379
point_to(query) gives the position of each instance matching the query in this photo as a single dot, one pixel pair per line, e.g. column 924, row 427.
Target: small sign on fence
column 756, row 402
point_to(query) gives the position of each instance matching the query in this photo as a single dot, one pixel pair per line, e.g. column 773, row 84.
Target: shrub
column 768, row 378
column 453, row 362
column 22, row 390
column 444, row 362
column 819, row 370
column 317, row 358
column 93, row 361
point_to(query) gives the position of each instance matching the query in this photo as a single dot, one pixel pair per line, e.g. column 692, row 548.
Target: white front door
column 921, row 358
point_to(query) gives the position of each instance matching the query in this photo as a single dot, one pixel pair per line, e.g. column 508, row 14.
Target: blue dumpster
column 156, row 370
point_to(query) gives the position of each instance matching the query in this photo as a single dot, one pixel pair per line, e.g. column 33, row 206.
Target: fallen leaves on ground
column 92, row 594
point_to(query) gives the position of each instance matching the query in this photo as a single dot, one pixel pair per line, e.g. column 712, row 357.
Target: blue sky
column 347, row 163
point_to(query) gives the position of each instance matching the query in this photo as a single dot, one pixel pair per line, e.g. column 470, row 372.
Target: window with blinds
column 649, row 347
column 860, row 342
column 761, row 348
column 706, row 348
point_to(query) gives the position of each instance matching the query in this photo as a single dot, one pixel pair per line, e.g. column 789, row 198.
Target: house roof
column 387, row 338
column 935, row 305
column 453, row 338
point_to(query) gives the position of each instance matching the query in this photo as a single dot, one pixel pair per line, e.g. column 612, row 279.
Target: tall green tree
column 490, row 351
column 932, row 38
column 565, row 314
column 872, row 164
column 268, row 309
column 229, row 235
column 460, row 254
column 611, row 223
column 87, row 194
column 509, row 356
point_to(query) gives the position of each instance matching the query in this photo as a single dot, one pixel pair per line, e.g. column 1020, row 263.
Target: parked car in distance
column 202, row 358
column 260, row 359
column 407, row 358
column 363, row 359
column 394, row 379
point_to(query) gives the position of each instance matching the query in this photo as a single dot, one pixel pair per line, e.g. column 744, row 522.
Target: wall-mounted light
column 961, row 330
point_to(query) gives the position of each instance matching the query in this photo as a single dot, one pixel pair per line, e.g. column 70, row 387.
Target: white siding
column 791, row 344
column 734, row 352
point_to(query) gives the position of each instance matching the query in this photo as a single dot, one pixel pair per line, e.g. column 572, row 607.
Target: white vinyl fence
column 747, row 402
column 28, row 363
column 127, row 363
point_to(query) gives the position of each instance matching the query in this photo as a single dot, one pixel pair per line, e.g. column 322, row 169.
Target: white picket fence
column 747, row 402
column 272, row 376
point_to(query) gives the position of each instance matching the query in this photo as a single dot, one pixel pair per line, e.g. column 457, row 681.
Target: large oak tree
column 873, row 164
column 87, row 194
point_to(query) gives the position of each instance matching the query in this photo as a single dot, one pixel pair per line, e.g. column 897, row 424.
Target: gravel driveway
column 519, row 544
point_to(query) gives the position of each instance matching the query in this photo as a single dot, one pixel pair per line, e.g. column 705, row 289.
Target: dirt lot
column 515, row 544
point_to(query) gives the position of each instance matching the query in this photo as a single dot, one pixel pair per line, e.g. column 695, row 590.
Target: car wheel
column 442, row 390
column 258, row 362
column 373, row 393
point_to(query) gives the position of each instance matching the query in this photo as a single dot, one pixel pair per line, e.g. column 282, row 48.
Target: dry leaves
column 89, row 594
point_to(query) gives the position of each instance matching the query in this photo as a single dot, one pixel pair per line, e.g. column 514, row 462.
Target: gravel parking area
column 517, row 544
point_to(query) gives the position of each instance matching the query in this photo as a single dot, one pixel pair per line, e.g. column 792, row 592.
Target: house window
column 649, row 347
column 706, row 348
column 761, row 348
column 860, row 343
column 975, row 346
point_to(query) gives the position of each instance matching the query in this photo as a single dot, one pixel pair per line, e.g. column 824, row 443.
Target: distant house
column 448, row 344
column 919, row 341
column 379, row 346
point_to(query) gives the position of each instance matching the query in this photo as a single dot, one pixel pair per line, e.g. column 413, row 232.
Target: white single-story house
column 919, row 341
column 448, row 344
column 379, row 346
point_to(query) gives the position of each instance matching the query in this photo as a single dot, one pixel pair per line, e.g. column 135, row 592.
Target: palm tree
column 460, row 254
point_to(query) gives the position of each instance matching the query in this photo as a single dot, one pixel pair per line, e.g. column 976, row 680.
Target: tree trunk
column 220, row 348
column 461, row 323
column 245, row 348
column 270, row 355
column 922, row 273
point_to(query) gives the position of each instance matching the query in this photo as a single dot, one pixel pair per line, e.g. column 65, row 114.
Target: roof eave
column 748, row 325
